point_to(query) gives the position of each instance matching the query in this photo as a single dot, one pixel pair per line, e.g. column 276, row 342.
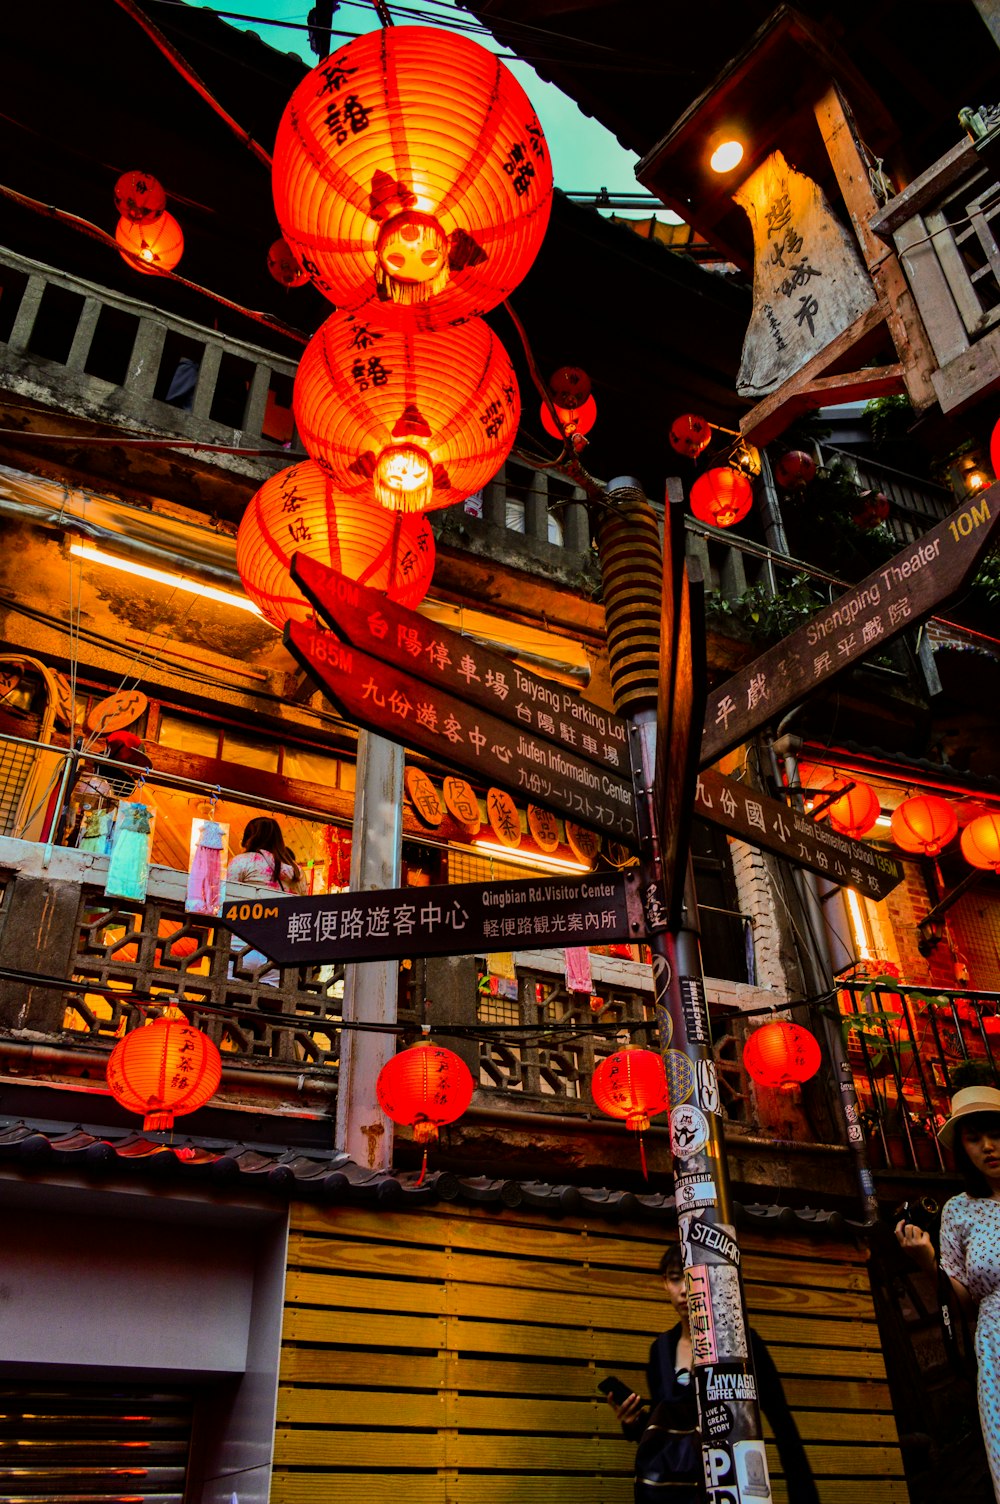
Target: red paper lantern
column 573, row 419
column 631, row 1084
column 689, row 435
column 413, row 421
column 854, row 813
column 151, row 248
column 283, row 266
column 424, row 1088
column 796, row 468
column 411, row 178
column 163, row 1070
column 924, row 824
column 301, row 510
column 722, row 497
column 570, row 386
column 872, row 508
column 139, row 197
column 781, row 1054
column 995, row 449
column 981, row 842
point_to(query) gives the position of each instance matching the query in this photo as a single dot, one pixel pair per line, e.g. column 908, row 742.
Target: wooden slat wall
column 452, row 1357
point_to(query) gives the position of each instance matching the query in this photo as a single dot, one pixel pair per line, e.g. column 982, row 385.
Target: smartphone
column 614, row 1387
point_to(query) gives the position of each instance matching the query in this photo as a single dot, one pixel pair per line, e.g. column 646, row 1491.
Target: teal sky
column 585, row 156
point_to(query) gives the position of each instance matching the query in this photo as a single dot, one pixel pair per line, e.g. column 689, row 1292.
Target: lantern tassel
column 642, row 1158
column 423, row 1168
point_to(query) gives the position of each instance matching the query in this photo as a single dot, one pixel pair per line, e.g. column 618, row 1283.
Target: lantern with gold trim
column 163, row 1070
column 631, row 1084
column 781, row 1054
column 924, row 824
column 721, row 497
column 424, row 1088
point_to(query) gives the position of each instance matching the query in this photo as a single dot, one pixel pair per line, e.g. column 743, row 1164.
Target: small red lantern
column 631, row 1084
column 924, row 824
column 413, row 421
column 722, row 497
column 690, row 435
column 574, row 420
column 795, row 469
column 981, row 842
column 163, row 1070
column 424, row 1088
column 411, row 178
column 570, row 386
column 283, row 266
column 151, row 248
column 139, row 197
column 301, row 510
column 781, row 1054
column 872, row 507
column 855, row 812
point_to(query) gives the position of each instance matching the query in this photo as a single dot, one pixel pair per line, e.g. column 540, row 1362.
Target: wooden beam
column 905, row 324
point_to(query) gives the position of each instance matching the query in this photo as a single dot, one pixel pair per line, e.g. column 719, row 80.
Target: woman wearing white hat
column 970, row 1243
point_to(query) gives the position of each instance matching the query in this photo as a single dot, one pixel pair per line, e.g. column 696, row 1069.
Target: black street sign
column 895, row 597
column 462, row 667
column 392, row 704
column 459, row 919
column 762, row 821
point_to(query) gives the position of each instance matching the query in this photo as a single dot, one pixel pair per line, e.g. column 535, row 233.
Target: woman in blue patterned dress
column 970, row 1243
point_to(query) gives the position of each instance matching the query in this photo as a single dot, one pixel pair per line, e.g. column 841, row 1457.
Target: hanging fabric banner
column 131, row 844
column 809, row 282
column 578, row 971
column 96, row 829
column 206, row 889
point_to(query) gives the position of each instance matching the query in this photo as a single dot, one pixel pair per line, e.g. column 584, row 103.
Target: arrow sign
column 462, row 667
column 896, row 597
column 761, row 821
column 394, row 705
column 459, row 919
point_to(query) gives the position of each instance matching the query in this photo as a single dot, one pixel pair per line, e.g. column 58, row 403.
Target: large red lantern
column 690, row 435
column 572, row 420
column 283, row 266
column 722, row 497
column 424, row 1088
column 981, row 842
column 139, row 197
column 795, row 469
column 163, row 1070
column 631, row 1084
column 411, row 178
column 855, row 812
column 781, row 1054
column 413, row 421
column 152, row 248
column 924, row 824
column 301, row 510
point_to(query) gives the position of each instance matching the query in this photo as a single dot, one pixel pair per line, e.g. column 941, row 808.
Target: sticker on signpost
column 728, row 1325
column 751, row 1470
column 694, row 1009
column 688, row 1131
column 709, row 1099
column 680, row 1076
column 720, row 1476
column 693, row 1193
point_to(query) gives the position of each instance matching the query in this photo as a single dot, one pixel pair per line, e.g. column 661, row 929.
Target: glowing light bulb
column 726, row 156
column 404, row 479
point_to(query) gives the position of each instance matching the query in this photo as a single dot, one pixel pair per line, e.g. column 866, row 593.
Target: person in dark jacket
column 668, row 1456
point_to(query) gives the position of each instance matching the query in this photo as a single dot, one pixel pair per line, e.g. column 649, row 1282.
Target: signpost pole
column 733, row 1454
column 370, row 987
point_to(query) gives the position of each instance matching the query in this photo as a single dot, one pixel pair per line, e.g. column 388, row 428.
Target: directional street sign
column 455, row 920
column 761, row 821
column 895, row 597
column 462, row 667
column 392, row 704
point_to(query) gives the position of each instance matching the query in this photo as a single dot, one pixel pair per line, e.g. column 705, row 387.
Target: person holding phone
column 668, row 1456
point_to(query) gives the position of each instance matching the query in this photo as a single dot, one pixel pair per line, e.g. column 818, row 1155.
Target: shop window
column 200, row 738
column 726, row 937
column 315, row 767
column 250, row 751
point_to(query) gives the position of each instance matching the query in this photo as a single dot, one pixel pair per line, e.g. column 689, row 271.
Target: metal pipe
column 74, row 1055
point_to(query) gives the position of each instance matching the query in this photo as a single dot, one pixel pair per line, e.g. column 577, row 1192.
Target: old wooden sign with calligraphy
column 762, row 821
column 392, row 704
column 896, row 596
column 457, row 919
column 462, row 667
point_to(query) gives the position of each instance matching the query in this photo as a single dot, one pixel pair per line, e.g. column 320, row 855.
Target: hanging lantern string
column 184, row 68
column 96, row 233
column 382, row 11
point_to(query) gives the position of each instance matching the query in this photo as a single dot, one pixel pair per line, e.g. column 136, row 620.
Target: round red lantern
column 411, row 177
column 163, row 1070
column 924, row 824
column 570, row 386
column 871, row 508
column 722, row 497
column 855, row 812
column 424, row 1088
column 139, row 197
column 283, row 266
column 573, row 420
column 151, row 248
column 995, row 449
column 981, row 842
column 781, row 1054
column 631, row 1084
column 690, row 435
column 301, row 510
column 794, row 469
column 413, row 421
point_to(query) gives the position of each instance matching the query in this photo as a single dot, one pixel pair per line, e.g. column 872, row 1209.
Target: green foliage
column 763, row 617
column 889, row 417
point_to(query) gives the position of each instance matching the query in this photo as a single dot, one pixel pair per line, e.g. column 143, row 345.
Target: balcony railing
column 904, row 1045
